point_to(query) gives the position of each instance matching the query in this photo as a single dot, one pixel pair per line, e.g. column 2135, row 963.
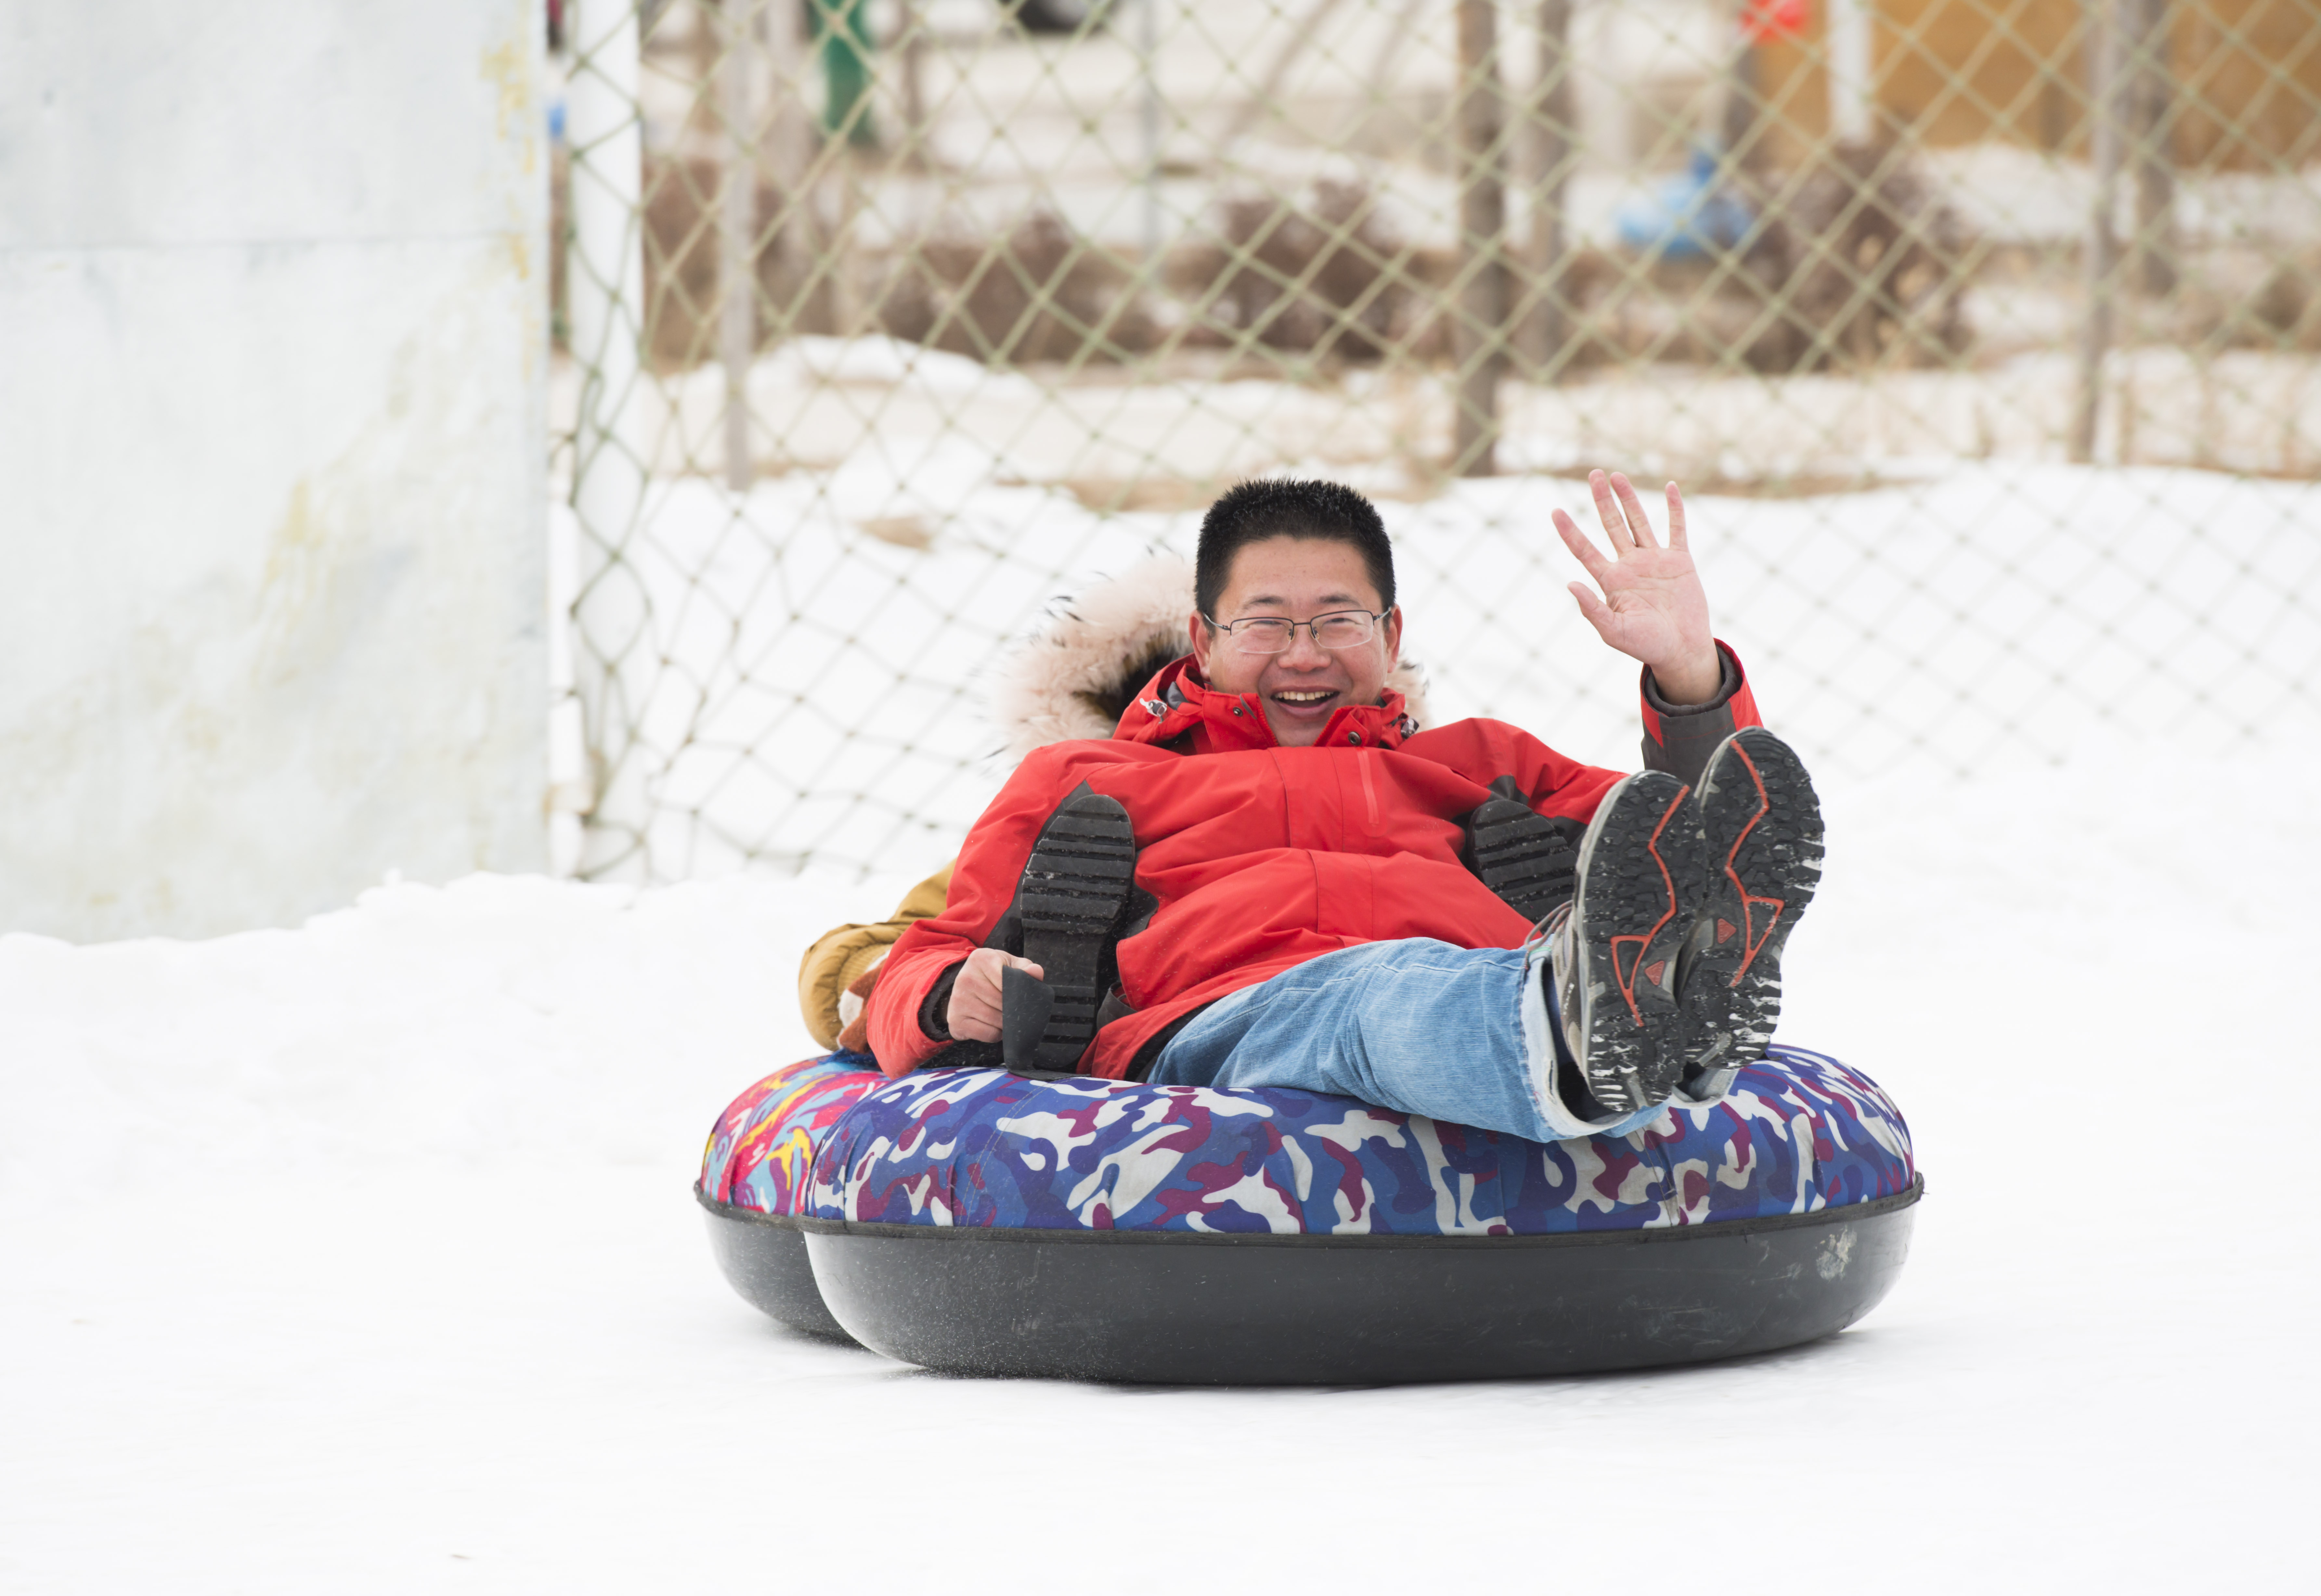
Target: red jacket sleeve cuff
column 1679, row 737
column 898, row 1040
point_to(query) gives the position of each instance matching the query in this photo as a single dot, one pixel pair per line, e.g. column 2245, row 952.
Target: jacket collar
column 1177, row 701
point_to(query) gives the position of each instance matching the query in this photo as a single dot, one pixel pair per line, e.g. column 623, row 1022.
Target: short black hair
column 1289, row 507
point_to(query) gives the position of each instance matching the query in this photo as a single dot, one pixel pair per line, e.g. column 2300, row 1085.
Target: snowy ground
column 360, row 1257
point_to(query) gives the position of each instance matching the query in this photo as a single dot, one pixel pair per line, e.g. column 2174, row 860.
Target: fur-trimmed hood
column 1076, row 677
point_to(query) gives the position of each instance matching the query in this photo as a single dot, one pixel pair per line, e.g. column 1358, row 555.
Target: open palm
column 1653, row 607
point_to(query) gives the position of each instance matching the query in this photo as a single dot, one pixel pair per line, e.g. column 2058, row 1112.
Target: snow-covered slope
column 360, row 1257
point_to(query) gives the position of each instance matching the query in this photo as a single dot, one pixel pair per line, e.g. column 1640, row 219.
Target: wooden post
column 737, row 230
column 2102, row 264
column 1481, row 342
column 1545, row 328
column 2151, row 90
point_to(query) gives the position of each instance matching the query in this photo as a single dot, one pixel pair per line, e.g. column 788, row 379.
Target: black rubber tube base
column 1275, row 1311
column 767, row 1263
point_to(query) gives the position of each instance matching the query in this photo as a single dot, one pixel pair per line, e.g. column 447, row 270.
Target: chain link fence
column 1982, row 334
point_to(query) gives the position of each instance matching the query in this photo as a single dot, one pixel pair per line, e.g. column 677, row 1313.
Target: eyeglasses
column 1272, row 634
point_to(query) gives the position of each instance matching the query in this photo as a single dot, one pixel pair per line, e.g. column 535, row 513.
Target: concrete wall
column 272, row 358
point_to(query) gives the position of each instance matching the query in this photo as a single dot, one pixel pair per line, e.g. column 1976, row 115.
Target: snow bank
column 360, row 1257
column 500, row 1022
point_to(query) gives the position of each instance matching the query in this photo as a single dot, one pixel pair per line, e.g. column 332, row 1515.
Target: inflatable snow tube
column 977, row 1221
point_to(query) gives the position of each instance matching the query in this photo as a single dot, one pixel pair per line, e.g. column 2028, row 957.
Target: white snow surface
column 361, row 1258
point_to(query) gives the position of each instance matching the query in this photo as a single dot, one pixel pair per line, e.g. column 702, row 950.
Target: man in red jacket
column 1268, row 875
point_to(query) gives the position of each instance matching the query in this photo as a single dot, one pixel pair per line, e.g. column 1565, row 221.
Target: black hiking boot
column 1764, row 838
column 1613, row 954
column 1524, row 857
column 1078, row 879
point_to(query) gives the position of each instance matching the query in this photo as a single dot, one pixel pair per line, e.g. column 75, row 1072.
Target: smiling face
column 1298, row 578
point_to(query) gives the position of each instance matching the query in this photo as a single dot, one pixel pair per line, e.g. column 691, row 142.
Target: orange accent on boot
column 1627, row 978
column 1749, row 901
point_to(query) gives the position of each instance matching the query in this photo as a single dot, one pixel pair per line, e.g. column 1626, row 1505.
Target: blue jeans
column 1463, row 1034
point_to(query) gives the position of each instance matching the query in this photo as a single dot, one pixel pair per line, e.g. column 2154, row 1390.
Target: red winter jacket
column 1260, row 857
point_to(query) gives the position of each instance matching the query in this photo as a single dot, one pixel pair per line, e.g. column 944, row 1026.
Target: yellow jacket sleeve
column 841, row 957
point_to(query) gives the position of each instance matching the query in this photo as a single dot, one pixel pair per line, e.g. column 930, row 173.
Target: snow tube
column 977, row 1221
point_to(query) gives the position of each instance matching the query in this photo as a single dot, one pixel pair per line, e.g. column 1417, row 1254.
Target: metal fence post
column 606, row 286
column 1853, row 98
column 1482, row 332
column 737, row 226
column 910, row 28
column 2102, row 263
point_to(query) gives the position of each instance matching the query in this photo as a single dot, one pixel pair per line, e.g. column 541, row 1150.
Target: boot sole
column 1641, row 878
column 1081, row 870
column 1764, row 829
column 1524, row 857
